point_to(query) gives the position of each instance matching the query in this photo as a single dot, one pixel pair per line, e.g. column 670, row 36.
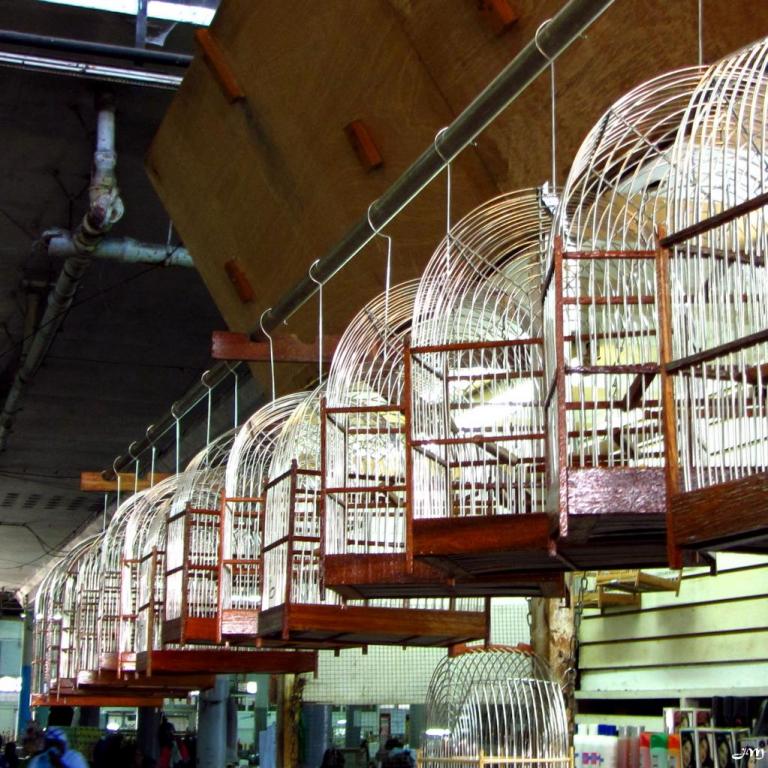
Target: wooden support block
column 94, row 481
column 240, row 281
column 501, row 14
column 362, row 142
column 286, row 349
column 219, row 65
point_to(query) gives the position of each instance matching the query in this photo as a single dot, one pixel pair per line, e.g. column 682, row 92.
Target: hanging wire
column 117, row 476
column 700, row 31
column 320, row 321
column 104, row 515
column 210, row 407
column 388, row 275
column 236, row 395
column 178, row 437
column 447, row 180
column 271, row 350
column 553, row 103
column 152, row 465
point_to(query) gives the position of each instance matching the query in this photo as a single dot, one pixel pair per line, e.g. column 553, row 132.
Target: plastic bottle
column 658, row 750
column 673, row 751
column 645, row 750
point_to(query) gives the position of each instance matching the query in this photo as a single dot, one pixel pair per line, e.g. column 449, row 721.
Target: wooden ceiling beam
column 286, row 348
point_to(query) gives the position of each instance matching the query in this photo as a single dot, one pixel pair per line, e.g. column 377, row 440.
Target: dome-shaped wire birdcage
column 56, row 618
column 717, row 273
column 476, row 362
column 88, row 595
column 243, row 515
column 494, row 706
column 143, row 550
column 193, row 544
column 364, row 498
column 110, row 567
column 292, row 562
column 614, row 202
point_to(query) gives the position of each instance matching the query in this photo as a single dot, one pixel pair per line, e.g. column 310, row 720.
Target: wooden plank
column 730, row 616
column 663, row 652
column 131, row 699
column 733, row 511
column 226, row 661
column 725, row 679
column 750, row 582
column 459, row 536
column 93, row 481
column 285, row 348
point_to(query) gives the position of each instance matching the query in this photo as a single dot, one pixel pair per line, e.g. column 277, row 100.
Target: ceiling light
column 156, row 9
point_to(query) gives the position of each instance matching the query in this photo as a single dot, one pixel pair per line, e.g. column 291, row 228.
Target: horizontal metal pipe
column 553, row 39
column 124, row 249
column 65, row 44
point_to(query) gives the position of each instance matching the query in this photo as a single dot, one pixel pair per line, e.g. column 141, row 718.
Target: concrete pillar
column 260, row 706
column 25, row 712
column 212, row 725
column 146, row 731
column 417, row 719
column 89, row 717
column 353, row 733
column 318, row 724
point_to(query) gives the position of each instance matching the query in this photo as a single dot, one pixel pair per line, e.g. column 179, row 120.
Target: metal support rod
column 141, row 24
column 564, row 28
column 68, row 45
column 126, row 249
column 106, row 208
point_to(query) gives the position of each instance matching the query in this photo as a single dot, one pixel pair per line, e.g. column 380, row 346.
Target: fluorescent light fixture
column 113, row 726
column 442, row 732
column 251, row 687
column 84, row 69
column 10, row 684
column 156, row 9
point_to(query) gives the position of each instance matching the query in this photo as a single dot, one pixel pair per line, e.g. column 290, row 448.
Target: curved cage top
column 616, row 195
column 141, row 529
column 483, row 282
column 252, row 449
column 367, row 367
column 495, row 703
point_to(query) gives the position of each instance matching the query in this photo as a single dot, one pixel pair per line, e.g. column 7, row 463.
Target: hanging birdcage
column 240, row 580
column 716, row 291
column 193, row 548
column 495, row 706
column 601, row 330
column 475, row 370
column 296, row 609
column 143, row 551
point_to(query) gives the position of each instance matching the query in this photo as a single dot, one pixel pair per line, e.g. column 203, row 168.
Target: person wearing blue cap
column 57, row 753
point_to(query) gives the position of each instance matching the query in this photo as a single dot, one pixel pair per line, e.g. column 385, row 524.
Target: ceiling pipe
column 60, row 244
column 567, row 25
column 105, row 209
column 68, row 45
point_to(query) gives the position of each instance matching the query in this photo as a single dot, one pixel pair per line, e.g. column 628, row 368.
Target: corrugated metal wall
column 711, row 639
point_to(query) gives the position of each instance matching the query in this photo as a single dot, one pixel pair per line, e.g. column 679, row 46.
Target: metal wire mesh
column 477, row 435
column 498, row 707
column 602, row 294
column 243, row 510
column 364, row 429
column 718, row 277
column 193, row 535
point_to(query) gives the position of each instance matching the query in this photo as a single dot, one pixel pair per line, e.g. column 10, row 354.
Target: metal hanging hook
column 177, row 419
column 271, row 349
column 232, row 368
column 388, row 274
column 319, row 283
column 553, row 104
column 447, row 195
column 209, row 395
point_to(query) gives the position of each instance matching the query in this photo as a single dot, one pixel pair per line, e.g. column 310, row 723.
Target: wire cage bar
column 366, row 509
column 477, row 439
column 143, row 552
column 497, row 706
column 242, row 518
column 193, row 548
column 606, row 464
column 296, row 608
column 717, row 293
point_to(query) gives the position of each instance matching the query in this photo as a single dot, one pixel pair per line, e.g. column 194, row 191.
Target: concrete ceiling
column 137, row 336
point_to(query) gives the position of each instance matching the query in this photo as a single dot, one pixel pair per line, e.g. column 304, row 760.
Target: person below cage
column 56, row 752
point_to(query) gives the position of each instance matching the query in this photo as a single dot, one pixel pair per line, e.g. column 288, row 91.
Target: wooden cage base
column 191, row 629
column 238, row 624
column 168, row 686
column 732, row 515
column 224, row 661
column 339, row 626
column 388, row 576
column 114, row 699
